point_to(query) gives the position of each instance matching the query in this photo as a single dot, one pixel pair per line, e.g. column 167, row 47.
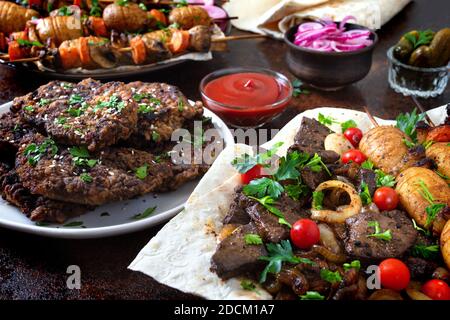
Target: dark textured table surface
column 33, row 267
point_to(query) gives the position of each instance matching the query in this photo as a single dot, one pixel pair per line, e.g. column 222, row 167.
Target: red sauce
column 247, row 98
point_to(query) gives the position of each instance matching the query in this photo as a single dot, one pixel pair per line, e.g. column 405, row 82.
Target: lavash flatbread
column 180, row 254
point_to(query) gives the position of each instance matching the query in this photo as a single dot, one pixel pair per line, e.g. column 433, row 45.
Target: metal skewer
column 422, row 109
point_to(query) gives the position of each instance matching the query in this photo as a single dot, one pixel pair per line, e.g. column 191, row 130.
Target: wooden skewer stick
column 6, row 57
column 422, row 109
column 371, row 118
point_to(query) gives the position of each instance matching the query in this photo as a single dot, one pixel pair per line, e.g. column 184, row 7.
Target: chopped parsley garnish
column 263, row 187
column 182, row 3
column 141, row 172
column 355, row 264
column 246, row 162
column 330, row 276
column 86, row 177
column 348, row 124
column 65, row 11
column 295, row 191
column 253, row 239
column 426, row 252
column 35, row 152
column 114, row 102
column 155, row 136
column 122, row 2
column 268, row 203
column 80, row 157
column 277, row 254
column 426, row 144
column 96, row 10
column 407, row 123
column 424, row 38
column 180, row 104
column 408, row 144
column 298, row 90
column 68, row 85
column 434, row 208
column 367, row 165
column 142, row 6
column 44, row 102
column 29, row 43
column 312, row 295
column 145, row 108
column 386, row 235
column 147, row 213
column 138, row 97
column 384, row 180
column 249, row 286
column 60, row 120
column 317, row 202
column 75, row 99
column 425, row 232
column 365, row 194
column 28, row 108
column 326, row 120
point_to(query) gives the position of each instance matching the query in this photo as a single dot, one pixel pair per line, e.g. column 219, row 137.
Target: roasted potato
column 440, row 153
column 58, row 29
column 411, row 195
column 338, row 143
column 129, row 17
column 14, row 17
column 190, row 16
column 384, row 146
column 445, row 243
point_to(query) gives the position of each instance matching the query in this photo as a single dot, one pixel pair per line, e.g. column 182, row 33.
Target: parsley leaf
column 424, row 38
column 249, row 286
column 316, row 164
column 365, row 194
column 326, row 121
column 28, row 43
column 425, row 232
column 384, row 180
column 330, row 276
column 147, row 213
column 367, row 165
column 295, row 191
column 312, row 295
column 386, row 235
column 268, row 203
column 246, row 162
column 277, row 254
column 317, row 202
column 288, row 166
column 426, row 252
column 81, row 152
column 263, row 187
column 141, row 172
column 298, row 90
column 80, row 157
column 34, row 152
column 355, row 264
column 252, row 239
column 348, row 124
column 434, row 208
column 85, row 177
column 407, row 123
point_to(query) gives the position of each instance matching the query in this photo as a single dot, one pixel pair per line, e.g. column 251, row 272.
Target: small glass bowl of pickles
column 418, row 63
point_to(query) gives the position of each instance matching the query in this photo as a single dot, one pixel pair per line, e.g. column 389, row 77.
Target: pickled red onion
column 328, row 36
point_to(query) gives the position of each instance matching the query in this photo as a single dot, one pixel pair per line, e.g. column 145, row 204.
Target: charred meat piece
column 313, row 179
column 88, row 113
column 162, row 109
column 311, row 136
column 37, row 208
column 12, row 130
column 234, row 257
column 79, row 177
column 367, row 177
column 268, row 225
column 237, row 213
column 421, row 269
column 359, row 242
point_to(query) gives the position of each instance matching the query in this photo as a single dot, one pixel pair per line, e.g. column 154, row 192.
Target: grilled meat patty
column 89, row 113
column 162, row 109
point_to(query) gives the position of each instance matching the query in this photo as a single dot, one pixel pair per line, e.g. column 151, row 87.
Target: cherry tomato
column 354, row 135
column 254, row 173
column 386, row 198
column 305, row 233
column 436, row 289
column 353, row 155
column 394, row 274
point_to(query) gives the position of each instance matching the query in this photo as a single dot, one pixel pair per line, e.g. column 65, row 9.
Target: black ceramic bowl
column 329, row 70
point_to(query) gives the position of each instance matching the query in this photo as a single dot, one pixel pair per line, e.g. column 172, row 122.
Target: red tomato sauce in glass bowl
column 245, row 97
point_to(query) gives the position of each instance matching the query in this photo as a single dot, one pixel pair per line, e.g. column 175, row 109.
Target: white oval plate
column 120, row 214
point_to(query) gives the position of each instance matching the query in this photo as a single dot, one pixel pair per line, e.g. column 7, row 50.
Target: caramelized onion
column 343, row 212
column 328, row 239
column 330, row 256
column 416, row 294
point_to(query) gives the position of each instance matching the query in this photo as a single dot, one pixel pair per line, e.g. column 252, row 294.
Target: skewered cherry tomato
column 353, row 135
column 353, row 155
column 436, row 290
column 305, row 233
column 386, row 198
column 253, row 173
column 15, row 51
column 394, row 274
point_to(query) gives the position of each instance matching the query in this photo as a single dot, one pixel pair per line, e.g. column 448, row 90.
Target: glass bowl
column 245, row 116
column 414, row 81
